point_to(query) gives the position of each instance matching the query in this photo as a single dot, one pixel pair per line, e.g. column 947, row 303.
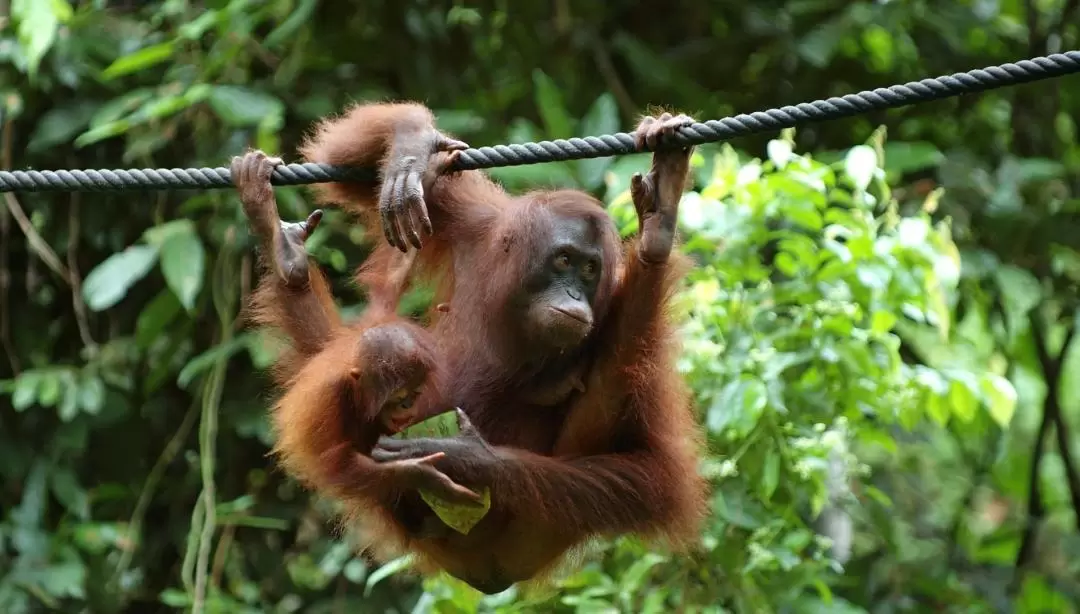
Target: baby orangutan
column 345, row 385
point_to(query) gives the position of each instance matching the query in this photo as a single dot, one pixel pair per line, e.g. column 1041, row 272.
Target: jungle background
column 879, row 329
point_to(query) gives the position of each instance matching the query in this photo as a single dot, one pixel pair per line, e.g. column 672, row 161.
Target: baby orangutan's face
column 399, row 412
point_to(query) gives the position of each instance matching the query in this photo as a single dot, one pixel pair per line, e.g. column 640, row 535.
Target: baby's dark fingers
column 380, row 455
column 389, row 443
column 453, row 491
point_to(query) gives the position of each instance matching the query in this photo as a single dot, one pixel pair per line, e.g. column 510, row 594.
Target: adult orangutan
column 557, row 343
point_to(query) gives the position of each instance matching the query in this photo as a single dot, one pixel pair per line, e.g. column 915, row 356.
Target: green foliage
column 875, row 335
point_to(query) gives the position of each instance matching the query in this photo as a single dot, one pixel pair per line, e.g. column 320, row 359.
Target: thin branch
column 146, row 495
column 1067, row 12
column 611, row 78
column 1035, row 507
column 37, row 244
column 1035, row 40
column 5, row 271
column 77, row 303
column 1061, row 431
column 222, row 555
column 1051, row 367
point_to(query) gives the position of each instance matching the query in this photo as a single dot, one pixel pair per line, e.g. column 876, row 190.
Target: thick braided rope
column 1024, row 71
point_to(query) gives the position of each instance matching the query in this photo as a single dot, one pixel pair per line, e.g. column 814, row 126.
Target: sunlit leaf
column 183, row 262
column 240, row 106
column 602, row 118
column 26, row 389
column 549, row 103
column 1000, row 398
column 109, row 281
column 91, row 393
column 139, row 60
column 859, row 164
column 38, row 21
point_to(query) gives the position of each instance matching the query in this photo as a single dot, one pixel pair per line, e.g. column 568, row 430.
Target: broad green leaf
column 91, row 393
column 602, row 118
column 121, row 106
column 1020, row 289
column 158, row 235
column 164, row 107
column 882, row 321
column 240, row 106
column 109, row 281
column 288, row 28
column 802, row 212
column 183, row 262
column 962, row 400
column 936, row 408
column 738, row 406
column 49, row 388
column 139, row 60
column 631, row 580
column 65, row 485
column 819, row 45
column 155, row 316
column 1000, row 398
column 902, row 158
column 549, row 103
column 194, row 29
column 38, row 21
column 26, row 389
column 61, row 124
column 69, row 401
column 102, row 132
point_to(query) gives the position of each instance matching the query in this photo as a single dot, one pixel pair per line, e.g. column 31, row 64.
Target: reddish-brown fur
column 337, row 377
column 620, row 456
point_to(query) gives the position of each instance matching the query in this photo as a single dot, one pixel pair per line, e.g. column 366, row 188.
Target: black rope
column 1025, row 71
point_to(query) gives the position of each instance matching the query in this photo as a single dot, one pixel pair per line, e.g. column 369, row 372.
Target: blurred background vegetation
column 879, row 332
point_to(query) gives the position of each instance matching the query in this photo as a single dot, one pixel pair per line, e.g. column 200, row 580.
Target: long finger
column 642, row 130
column 430, row 458
column 414, row 198
column 458, row 493
column 395, row 212
column 385, row 207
